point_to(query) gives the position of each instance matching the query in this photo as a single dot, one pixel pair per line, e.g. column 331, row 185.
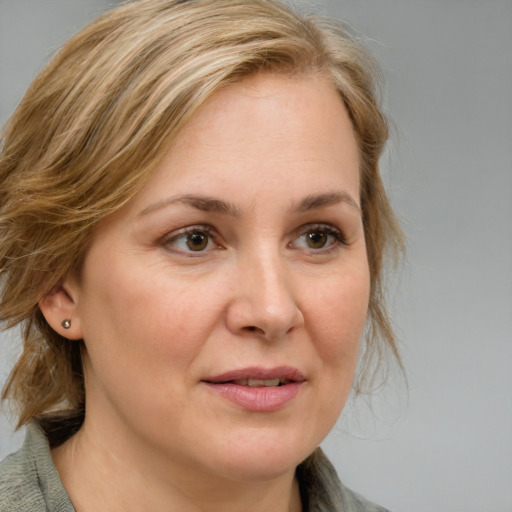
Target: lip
column 261, row 398
column 256, row 372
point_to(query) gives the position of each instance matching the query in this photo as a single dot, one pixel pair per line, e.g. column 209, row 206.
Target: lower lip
column 258, row 399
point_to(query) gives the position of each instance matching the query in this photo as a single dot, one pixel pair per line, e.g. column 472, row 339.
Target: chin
column 264, row 458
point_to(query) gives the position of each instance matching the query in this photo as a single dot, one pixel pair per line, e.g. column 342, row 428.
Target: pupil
column 317, row 240
column 197, row 241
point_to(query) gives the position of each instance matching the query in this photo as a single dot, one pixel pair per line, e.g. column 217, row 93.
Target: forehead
column 266, row 130
column 304, row 107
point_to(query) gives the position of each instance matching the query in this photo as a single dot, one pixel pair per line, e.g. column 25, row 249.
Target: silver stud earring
column 66, row 323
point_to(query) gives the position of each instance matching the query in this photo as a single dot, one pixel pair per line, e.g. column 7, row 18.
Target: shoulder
column 19, row 489
column 29, row 481
column 358, row 503
column 322, row 490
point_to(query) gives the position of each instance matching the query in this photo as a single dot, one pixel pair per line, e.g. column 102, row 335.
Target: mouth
column 259, row 377
column 258, row 389
column 257, row 383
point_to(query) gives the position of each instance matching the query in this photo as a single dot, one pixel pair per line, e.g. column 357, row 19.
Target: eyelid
column 323, row 226
column 182, row 232
column 328, row 229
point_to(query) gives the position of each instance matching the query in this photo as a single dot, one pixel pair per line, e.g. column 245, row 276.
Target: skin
column 282, row 280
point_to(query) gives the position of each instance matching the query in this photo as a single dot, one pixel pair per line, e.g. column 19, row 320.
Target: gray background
column 448, row 445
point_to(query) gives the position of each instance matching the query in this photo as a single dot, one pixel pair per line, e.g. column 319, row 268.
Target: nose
column 264, row 299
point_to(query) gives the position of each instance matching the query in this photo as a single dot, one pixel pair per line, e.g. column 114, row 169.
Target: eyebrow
column 210, row 204
column 203, row 203
column 316, row 201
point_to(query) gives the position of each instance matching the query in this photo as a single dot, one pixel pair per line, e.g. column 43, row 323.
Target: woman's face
column 222, row 308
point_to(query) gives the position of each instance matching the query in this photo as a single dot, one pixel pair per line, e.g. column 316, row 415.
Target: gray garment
column 29, row 482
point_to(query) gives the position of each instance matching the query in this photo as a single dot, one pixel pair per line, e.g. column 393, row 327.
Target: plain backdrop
column 446, row 445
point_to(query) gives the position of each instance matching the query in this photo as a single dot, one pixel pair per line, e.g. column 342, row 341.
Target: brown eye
column 190, row 240
column 197, row 241
column 316, row 239
column 319, row 237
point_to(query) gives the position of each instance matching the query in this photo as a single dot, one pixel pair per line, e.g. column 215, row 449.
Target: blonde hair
column 95, row 123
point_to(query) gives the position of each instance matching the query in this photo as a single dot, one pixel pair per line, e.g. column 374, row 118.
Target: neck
column 106, row 473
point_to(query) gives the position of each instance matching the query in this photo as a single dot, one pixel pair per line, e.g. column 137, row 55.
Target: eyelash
column 325, row 229
column 173, row 237
column 210, row 233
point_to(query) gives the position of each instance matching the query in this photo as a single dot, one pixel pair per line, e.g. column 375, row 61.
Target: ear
column 60, row 305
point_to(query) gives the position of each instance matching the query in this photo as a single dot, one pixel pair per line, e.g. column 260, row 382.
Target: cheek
column 146, row 321
column 142, row 335
column 338, row 314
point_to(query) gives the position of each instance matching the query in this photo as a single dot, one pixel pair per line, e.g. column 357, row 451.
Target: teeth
column 254, row 383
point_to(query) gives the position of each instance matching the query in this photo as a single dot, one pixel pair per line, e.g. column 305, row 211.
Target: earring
column 66, row 323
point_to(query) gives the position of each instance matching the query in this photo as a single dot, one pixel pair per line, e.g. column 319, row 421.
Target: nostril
column 254, row 329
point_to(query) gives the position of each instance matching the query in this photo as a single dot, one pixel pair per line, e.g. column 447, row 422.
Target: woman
column 193, row 236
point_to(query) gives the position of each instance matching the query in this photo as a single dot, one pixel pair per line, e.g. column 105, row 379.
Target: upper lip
column 254, row 372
